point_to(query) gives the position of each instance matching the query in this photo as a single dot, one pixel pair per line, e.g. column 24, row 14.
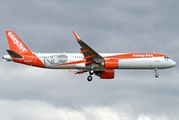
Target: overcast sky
column 28, row 93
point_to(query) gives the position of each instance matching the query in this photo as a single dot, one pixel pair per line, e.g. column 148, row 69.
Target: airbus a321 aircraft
column 88, row 60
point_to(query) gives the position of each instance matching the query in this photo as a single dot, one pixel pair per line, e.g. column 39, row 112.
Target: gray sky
column 107, row 26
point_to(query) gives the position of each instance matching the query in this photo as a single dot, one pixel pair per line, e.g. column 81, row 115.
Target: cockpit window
column 166, row 57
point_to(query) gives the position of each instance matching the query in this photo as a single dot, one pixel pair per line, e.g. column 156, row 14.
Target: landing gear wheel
column 91, row 72
column 89, row 78
column 156, row 75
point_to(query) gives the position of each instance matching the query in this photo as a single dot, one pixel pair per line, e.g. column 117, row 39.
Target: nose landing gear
column 156, row 74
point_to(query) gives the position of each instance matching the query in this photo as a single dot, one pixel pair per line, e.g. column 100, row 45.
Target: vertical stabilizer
column 16, row 44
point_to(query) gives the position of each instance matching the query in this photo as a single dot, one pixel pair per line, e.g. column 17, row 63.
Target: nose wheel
column 156, row 74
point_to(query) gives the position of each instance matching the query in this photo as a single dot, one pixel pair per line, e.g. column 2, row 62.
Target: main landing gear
column 89, row 78
column 156, row 74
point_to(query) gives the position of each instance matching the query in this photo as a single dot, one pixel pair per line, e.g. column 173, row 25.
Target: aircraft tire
column 89, row 78
column 91, row 72
column 156, row 75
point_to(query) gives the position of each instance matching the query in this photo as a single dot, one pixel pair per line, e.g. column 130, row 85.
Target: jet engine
column 107, row 74
column 110, row 64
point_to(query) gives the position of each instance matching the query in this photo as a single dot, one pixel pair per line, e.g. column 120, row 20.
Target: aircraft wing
column 89, row 54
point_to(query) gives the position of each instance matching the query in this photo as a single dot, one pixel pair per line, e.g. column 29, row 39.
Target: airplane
column 88, row 60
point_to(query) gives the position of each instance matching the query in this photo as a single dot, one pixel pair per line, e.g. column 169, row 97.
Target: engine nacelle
column 110, row 64
column 107, row 74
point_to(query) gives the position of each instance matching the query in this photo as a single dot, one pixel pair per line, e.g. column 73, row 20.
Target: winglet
column 76, row 36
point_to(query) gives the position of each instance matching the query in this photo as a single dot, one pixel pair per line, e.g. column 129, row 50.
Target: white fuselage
column 76, row 61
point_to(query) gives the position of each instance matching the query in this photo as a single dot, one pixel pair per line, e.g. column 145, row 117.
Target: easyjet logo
column 17, row 42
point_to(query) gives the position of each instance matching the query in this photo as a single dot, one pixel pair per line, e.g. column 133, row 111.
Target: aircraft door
column 157, row 59
column 72, row 57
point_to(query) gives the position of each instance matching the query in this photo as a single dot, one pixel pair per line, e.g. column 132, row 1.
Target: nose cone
column 173, row 63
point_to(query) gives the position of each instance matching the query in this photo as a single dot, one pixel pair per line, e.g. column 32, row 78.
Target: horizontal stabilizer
column 14, row 54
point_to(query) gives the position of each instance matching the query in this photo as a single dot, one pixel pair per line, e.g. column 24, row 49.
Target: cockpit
column 166, row 58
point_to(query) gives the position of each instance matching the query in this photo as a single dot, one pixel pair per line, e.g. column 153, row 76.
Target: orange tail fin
column 16, row 44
